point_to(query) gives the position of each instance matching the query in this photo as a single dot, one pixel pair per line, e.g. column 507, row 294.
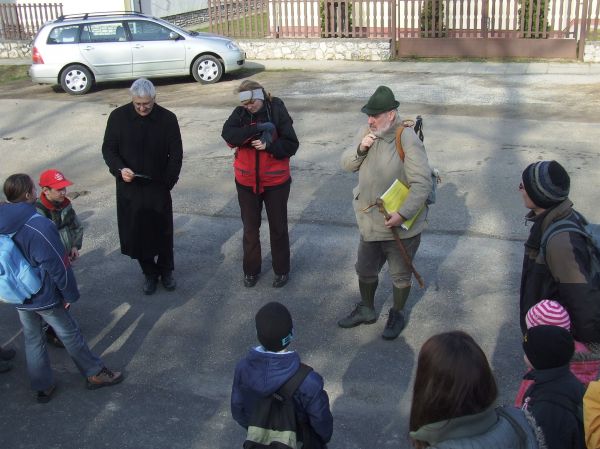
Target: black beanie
column 548, row 346
column 547, row 183
column 274, row 327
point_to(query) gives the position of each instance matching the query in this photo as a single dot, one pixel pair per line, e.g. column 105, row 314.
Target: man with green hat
column 378, row 163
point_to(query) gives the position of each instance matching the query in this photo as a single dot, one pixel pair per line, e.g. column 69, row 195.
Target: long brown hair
column 17, row 186
column 251, row 85
column 453, row 379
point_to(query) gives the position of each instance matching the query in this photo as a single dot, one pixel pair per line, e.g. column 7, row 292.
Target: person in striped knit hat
column 585, row 363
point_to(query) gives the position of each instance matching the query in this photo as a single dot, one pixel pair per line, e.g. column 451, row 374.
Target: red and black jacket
column 260, row 170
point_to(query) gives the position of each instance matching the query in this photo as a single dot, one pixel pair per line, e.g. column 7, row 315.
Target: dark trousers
column 251, row 206
column 159, row 265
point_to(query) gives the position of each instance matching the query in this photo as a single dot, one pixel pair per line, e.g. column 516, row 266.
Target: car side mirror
column 174, row 36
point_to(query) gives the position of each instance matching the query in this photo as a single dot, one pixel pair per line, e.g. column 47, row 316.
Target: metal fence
column 21, row 22
column 540, row 19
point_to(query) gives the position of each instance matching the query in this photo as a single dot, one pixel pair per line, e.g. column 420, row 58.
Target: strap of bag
column 515, row 425
column 399, row 148
column 287, row 389
column 574, row 222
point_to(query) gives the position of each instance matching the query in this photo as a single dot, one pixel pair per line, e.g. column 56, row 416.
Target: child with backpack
column 556, row 397
column 54, row 205
column 261, row 376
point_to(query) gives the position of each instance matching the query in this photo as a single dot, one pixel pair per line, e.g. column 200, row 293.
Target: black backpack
column 274, row 422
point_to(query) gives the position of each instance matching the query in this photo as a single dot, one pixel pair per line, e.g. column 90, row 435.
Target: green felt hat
column 381, row 101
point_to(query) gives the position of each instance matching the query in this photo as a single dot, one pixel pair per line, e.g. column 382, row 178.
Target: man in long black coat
column 143, row 150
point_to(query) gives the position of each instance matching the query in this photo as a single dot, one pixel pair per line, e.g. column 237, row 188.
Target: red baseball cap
column 54, row 179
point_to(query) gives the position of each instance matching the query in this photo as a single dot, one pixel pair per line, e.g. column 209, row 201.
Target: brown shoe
column 105, row 378
column 44, row 396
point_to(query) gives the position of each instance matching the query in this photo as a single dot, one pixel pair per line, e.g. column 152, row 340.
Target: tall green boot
column 395, row 322
column 364, row 312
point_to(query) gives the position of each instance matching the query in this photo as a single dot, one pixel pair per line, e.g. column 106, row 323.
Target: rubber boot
column 364, row 313
column 395, row 322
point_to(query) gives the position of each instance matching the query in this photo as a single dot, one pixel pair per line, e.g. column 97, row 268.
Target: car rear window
column 103, row 32
column 64, row 35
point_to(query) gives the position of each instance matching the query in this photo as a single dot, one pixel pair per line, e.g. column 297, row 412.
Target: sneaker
column 394, row 325
column 250, row 280
column 105, row 378
column 360, row 315
column 168, row 282
column 44, row 396
column 7, row 354
column 280, row 280
column 150, row 284
column 5, row 366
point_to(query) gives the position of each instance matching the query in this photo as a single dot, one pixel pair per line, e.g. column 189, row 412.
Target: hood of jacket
column 14, row 215
column 266, row 372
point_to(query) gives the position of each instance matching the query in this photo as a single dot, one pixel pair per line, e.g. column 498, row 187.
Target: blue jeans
column 38, row 362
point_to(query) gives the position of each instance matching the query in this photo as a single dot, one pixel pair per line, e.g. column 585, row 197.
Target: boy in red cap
column 54, row 205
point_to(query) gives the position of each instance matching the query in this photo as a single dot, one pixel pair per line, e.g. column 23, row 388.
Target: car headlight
column 232, row 46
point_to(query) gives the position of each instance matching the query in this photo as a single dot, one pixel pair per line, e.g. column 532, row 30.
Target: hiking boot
column 7, row 354
column 395, row 324
column 150, row 284
column 250, row 280
column 105, row 378
column 280, row 280
column 360, row 315
column 5, row 366
column 168, row 282
column 44, row 396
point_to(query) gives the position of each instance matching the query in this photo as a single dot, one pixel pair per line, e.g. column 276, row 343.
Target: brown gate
column 493, row 28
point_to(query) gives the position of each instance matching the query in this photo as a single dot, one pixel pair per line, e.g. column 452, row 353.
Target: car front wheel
column 76, row 80
column 207, row 69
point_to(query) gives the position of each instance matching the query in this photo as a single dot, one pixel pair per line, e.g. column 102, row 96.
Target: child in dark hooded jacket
column 267, row 367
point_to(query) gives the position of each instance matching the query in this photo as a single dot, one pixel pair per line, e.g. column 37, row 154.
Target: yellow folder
column 393, row 198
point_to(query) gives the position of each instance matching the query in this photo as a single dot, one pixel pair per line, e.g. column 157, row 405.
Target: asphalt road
column 483, row 124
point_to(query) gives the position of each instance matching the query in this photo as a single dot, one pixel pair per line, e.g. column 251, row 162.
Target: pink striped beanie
column 548, row 312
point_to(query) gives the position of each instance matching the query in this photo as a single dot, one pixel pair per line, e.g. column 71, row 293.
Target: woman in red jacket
column 262, row 134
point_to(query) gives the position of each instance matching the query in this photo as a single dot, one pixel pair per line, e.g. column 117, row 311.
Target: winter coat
column 562, row 276
column 261, row 374
column 40, row 243
column 490, row 429
column 149, row 146
column 66, row 221
column 377, row 169
column 261, row 169
column 562, row 425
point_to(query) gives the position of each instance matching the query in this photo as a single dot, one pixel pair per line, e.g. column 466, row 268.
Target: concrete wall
column 317, row 49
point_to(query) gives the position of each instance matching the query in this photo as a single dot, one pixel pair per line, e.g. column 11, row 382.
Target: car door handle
column 138, row 46
column 89, row 47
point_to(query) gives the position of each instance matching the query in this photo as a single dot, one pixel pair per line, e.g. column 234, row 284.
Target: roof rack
column 87, row 15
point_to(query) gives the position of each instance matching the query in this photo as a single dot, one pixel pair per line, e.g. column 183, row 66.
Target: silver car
column 78, row 50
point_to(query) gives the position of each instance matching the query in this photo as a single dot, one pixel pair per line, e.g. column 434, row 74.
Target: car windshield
column 176, row 28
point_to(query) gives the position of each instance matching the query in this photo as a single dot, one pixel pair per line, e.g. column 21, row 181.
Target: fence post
column 393, row 27
column 583, row 31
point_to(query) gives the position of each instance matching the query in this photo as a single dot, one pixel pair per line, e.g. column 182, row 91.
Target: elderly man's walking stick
column 405, row 255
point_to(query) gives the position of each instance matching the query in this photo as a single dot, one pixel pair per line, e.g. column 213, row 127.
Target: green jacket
column 64, row 217
column 494, row 428
column 377, row 170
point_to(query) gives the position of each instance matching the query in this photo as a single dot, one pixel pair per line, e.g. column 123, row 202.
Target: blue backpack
column 19, row 280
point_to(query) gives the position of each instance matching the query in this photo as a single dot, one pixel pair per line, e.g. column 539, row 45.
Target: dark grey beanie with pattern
column 547, row 183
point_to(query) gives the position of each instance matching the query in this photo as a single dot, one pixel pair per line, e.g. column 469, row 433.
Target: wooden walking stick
column 405, row 256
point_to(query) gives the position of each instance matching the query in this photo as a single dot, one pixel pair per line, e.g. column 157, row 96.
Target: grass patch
column 10, row 73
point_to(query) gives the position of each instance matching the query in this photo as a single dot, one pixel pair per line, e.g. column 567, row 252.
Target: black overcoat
column 150, row 146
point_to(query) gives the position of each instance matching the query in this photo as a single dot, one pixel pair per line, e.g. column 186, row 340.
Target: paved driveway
column 483, row 124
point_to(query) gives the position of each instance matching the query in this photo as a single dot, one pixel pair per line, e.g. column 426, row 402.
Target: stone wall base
column 318, row 49
column 315, row 49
